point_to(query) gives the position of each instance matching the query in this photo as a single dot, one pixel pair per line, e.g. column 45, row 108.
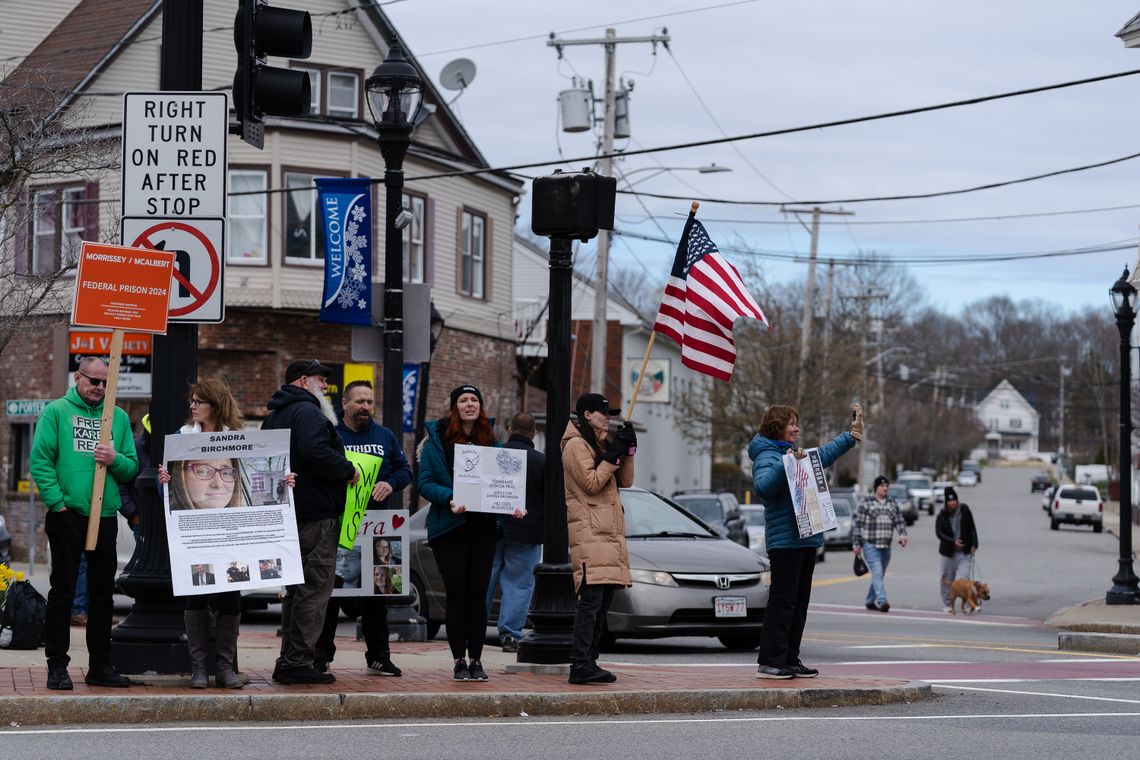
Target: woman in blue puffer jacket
column 792, row 557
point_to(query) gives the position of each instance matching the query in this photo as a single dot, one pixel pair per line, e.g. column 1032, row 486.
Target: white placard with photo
column 490, row 479
column 377, row 563
column 811, row 499
column 230, row 520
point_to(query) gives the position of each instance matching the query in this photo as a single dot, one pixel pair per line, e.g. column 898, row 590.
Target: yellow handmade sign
column 358, row 495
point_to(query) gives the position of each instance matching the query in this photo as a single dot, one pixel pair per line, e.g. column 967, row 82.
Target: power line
column 1116, row 245
column 914, row 196
column 531, row 37
column 804, row 128
column 946, row 220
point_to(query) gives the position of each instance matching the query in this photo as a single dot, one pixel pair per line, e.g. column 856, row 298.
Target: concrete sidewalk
column 425, row 691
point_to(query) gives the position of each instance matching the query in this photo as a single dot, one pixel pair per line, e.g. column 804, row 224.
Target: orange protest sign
column 122, row 288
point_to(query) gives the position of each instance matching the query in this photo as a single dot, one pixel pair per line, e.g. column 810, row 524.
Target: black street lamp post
column 1124, row 584
column 565, row 207
column 393, row 98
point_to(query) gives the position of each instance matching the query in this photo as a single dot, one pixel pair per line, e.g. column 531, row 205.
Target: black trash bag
column 22, row 623
column 860, row 565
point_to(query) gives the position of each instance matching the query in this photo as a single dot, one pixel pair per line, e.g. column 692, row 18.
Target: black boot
column 198, row 642
column 227, row 635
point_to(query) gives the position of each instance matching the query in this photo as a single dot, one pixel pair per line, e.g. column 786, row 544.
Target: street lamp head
column 713, row 168
column 394, row 91
column 436, row 326
column 1123, row 295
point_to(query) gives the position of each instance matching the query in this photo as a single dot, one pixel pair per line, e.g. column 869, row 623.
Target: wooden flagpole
column 105, row 425
column 648, row 348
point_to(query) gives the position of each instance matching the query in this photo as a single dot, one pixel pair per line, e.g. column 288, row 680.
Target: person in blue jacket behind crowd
column 463, row 541
column 792, row 558
column 360, row 433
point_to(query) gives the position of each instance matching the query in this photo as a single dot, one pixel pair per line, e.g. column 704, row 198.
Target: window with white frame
column 59, row 225
column 414, row 237
column 344, row 94
column 1014, row 423
column 304, row 243
column 315, row 101
column 44, row 216
column 472, row 254
column 248, row 223
column 73, row 224
column 992, row 423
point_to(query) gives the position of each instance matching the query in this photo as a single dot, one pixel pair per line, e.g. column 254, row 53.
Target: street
column 1000, row 683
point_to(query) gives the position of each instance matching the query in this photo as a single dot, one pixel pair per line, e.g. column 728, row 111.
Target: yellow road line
column 834, row 581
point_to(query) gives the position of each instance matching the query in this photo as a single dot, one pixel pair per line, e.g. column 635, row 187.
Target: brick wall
column 581, row 344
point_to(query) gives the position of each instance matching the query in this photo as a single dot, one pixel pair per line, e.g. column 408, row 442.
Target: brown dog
column 970, row 592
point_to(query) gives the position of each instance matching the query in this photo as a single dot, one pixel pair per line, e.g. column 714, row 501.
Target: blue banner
column 345, row 208
column 411, row 390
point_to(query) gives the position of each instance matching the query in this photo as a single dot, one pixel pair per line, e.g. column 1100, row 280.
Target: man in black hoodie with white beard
column 316, row 454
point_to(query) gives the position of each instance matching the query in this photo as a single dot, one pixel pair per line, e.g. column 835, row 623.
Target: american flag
column 703, row 298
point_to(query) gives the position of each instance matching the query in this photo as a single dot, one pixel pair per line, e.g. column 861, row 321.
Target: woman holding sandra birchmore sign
column 462, row 540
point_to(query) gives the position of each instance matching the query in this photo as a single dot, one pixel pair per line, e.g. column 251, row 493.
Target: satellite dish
column 458, row 74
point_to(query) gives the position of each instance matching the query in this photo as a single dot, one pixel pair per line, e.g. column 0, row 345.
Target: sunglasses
column 207, row 472
column 97, row 382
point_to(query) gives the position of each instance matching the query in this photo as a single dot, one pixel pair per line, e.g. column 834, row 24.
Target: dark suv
column 721, row 511
column 1040, row 482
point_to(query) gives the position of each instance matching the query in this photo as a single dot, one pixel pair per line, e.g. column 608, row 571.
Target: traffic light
column 261, row 90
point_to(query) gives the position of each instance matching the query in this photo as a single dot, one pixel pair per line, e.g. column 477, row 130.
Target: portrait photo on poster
column 269, row 569
column 237, row 572
column 229, row 504
column 377, row 564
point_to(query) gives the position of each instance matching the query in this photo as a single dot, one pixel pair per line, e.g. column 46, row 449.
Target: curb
column 28, row 711
column 1110, row 643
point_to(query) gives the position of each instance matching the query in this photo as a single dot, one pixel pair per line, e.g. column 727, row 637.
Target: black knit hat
column 881, row 480
column 455, row 394
column 950, row 494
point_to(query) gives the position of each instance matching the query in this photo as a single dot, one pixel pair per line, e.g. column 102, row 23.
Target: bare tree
column 41, row 144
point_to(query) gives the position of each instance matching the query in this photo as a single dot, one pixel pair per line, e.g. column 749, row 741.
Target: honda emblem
column 723, row 582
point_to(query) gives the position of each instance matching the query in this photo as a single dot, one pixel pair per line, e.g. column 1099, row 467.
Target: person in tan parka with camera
column 596, row 464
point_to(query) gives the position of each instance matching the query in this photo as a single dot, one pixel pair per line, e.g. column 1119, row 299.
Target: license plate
column 730, row 606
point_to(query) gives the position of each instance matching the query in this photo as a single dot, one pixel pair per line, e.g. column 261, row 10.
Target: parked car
column 720, row 510
column 901, row 496
column 756, row 527
column 687, row 579
column 1077, row 505
column 940, row 487
column 921, row 489
column 844, row 503
column 967, row 478
column 1041, row 482
column 972, row 466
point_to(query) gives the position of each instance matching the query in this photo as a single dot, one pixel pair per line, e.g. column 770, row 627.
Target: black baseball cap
column 594, row 402
column 306, row 368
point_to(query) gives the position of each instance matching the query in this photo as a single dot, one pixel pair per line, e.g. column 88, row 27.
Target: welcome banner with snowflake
column 345, row 206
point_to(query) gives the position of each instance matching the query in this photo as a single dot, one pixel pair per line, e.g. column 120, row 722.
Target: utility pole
column 805, row 325
column 864, row 300
column 825, row 372
column 601, row 281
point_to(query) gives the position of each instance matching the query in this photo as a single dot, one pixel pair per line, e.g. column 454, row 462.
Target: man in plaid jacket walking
column 876, row 520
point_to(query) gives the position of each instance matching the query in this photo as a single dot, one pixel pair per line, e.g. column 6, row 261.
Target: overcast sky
column 769, row 65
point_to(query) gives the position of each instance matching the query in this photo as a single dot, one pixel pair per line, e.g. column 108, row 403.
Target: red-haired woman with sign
column 463, row 541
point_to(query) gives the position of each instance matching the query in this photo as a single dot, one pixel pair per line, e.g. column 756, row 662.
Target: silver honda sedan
column 687, row 579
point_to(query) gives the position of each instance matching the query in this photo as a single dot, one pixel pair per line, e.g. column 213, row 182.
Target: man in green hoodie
column 63, row 458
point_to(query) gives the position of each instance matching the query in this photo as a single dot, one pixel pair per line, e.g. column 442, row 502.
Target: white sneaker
column 947, row 609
